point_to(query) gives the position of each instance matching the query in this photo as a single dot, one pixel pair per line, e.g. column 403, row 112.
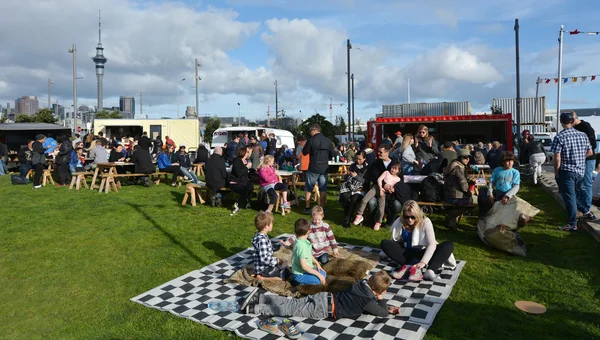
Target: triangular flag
column 555, row 80
column 593, row 78
column 574, row 79
column 583, row 79
column 565, row 80
column 547, row 80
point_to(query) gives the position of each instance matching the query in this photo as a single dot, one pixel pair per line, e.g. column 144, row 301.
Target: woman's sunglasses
column 406, row 217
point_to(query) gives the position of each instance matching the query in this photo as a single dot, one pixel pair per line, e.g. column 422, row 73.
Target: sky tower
column 99, row 60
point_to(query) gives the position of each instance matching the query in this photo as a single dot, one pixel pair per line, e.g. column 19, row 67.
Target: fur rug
column 341, row 273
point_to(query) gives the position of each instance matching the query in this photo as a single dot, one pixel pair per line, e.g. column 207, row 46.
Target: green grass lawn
column 70, row 261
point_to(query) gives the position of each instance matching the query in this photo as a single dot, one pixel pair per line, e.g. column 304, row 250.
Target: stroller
column 526, row 172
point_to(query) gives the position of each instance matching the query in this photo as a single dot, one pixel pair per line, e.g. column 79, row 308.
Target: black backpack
column 16, row 179
column 432, row 188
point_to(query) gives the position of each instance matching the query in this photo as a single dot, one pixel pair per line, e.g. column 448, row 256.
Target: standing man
column 320, row 149
column 570, row 148
column 232, row 147
column 584, row 196
column 271, row 144
column 3, row 158
column 38, row 159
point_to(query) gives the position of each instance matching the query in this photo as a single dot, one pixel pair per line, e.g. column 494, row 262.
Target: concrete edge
column 548, row 184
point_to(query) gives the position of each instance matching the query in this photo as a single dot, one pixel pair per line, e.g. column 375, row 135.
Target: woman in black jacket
column 535, row 153
column 351, row 189
column 63, row 159
column 238, row 179
column 201, row 154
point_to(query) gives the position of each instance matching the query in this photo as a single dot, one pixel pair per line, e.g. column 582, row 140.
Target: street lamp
column 50, row 82
column 239, row 115
column 178, row 96
column 73, row 50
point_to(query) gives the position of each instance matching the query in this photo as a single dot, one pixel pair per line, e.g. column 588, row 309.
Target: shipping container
column 427, row 109
column 532, row 116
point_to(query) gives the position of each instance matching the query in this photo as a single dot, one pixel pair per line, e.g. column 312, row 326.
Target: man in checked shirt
column 265, row 264
column 570, row 148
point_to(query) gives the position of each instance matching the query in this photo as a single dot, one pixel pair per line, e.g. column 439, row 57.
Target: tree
column 104, row 114
column 23, row 118
column 327, row 128
column 340, row 125
column 3, row 120
column 212, row 124
column 496, row 110
column 45, row 116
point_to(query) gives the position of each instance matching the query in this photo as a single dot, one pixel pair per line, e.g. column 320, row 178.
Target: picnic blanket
column 187, row 297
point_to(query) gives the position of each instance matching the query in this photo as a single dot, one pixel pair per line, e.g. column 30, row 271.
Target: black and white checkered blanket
column 187, row 296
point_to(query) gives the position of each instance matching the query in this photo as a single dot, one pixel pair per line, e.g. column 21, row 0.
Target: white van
column 224, row 135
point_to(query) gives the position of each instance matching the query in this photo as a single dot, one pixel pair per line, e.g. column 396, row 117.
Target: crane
column 331, row 109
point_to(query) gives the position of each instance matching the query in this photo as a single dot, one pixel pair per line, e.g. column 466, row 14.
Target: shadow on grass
column 167, row 234
column 178, row 196
column 499, row 322
column 220, row 250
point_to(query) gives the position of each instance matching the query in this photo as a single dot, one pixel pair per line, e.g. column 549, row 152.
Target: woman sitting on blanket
column 414, row 248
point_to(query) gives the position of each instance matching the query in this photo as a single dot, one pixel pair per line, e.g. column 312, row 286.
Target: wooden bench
column 193, row 190
column 77, row 178
column 47, row 177
column 428, row 207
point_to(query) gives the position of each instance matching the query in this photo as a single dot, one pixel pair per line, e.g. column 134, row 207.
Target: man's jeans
column 568, row 184
column 3, row 168
column 584, row 196
column 189, row 174
column 397, row 206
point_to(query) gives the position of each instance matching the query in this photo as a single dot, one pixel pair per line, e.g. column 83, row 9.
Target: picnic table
column 415, row 179
column 293, row 175
column 108, row 178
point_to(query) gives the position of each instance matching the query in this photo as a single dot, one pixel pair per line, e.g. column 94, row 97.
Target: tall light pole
column 348, row 47
column 518, row 79
column 73, row 50
column 50, row 82
column 239, row 115
column 196, row 65
column 178, row 96
column 560, row 80
column 276, row 107
column 352, row 121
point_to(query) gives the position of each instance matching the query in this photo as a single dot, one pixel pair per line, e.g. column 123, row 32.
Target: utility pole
column 409, row 90
column 518, row 78
column 141, row 112
column 560, row 80
column 351, row 123
column 348, row 47
column 73, row 50
column 50, row 82
column 196, row 64
column 276, row 107
column 537, row 91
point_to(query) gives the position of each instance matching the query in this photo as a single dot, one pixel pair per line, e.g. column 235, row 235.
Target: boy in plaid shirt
column 265, row 264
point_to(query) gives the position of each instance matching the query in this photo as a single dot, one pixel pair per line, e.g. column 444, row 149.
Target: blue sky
column 454, row 51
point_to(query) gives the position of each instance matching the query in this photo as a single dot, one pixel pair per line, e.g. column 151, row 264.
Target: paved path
column 548, row 183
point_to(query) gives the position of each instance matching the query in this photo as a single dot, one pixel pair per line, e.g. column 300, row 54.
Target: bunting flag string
column 580, row 79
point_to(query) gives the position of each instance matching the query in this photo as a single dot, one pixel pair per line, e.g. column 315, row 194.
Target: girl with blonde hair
column 414, row 248
column 409, row 159
column 269, row 182
column 426, row 146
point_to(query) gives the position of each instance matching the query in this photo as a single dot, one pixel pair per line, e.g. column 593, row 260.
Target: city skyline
column 463, row 52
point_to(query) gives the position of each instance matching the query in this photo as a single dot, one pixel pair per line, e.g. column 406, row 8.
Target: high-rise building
column 127, row 104
column 99, row 60
column 27, row 104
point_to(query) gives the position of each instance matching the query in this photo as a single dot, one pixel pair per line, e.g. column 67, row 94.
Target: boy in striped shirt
column 321, row 237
